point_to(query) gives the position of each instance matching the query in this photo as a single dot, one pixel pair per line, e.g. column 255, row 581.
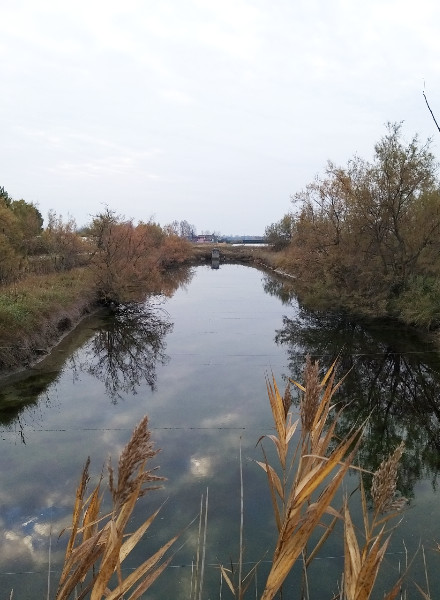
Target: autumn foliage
column 127, row 259
column 365, row 237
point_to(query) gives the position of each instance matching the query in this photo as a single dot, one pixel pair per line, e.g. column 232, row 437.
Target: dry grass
column 35, row 311
column 237, row 582
column 98, row 545
column 304, row 484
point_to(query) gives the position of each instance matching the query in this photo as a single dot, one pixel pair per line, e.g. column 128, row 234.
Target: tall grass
column 27, row 302
column 98, row 545
column 306, row 480
column 35, row 311
column 310, row 466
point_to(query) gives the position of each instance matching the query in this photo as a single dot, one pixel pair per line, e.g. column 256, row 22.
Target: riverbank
column 36, row 312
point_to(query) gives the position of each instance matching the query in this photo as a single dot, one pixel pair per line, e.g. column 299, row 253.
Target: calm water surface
column 196, row 363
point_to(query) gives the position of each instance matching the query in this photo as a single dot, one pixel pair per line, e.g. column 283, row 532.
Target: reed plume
column 131, row 467
column 383, row 489
column 303, row 486
column 99, row 544
column 362, row 562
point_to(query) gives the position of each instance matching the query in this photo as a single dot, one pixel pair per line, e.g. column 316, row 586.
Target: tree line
column 365, row 237
column 120, row 254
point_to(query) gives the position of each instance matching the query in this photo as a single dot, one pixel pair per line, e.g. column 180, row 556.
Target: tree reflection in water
column 393, row 378
column 280, row 287
column 124, row 353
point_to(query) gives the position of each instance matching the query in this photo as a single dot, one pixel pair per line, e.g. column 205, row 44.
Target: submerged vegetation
column 305, row 485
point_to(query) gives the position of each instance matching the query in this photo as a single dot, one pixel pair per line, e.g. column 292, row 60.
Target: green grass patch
column 35, row 311
column 29, row 302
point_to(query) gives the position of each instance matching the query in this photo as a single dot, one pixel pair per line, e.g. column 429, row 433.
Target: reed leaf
column 135, row 537
column 77, row 511
column 277, row 406
column 352, row 564
column 140, row 571
column 86, row 556
column 108, row 563
column 90, row 520
column 273, row 490
column 320, row 472
column 370, row 568
column 227, row 579
column 149, row 580
column 274, row 480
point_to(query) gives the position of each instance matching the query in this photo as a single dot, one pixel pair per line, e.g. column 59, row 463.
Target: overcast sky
column 210, row 111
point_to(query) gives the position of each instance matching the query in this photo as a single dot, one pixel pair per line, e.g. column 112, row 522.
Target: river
column 196, row 361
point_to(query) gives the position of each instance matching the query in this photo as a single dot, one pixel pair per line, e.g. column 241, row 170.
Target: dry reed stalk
column 239, row 587
column 362, row 564
column 300, row 499
column 426, row 594
column 198, row 569
column 99, row 544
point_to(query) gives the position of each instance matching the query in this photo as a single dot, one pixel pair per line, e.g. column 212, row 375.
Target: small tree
column 5, row 199
column 364, row 231
column 29, row 225
column 61, row 241
column 125, row 256
column 279, row 234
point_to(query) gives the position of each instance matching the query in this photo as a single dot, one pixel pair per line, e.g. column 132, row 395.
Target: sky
column 211, row 111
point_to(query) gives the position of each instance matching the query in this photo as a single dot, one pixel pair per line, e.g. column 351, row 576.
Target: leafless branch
column 432, row 114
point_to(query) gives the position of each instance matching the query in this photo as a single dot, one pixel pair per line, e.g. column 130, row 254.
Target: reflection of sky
column 210, row 400
column 209, row 395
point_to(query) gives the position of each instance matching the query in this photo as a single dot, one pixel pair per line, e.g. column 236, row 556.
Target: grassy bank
column 36, row 311
column 124, row 263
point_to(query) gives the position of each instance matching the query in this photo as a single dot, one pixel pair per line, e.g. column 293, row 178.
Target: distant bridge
column 246, row 240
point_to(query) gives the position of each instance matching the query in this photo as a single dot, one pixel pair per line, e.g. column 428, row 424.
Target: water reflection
column 280, row 287
column 202, row 416
column 123, row 347
column 125, row 352
column 394, row 379
column 24, row 394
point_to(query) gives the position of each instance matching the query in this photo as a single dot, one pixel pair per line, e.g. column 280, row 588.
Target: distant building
column 204, row 239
